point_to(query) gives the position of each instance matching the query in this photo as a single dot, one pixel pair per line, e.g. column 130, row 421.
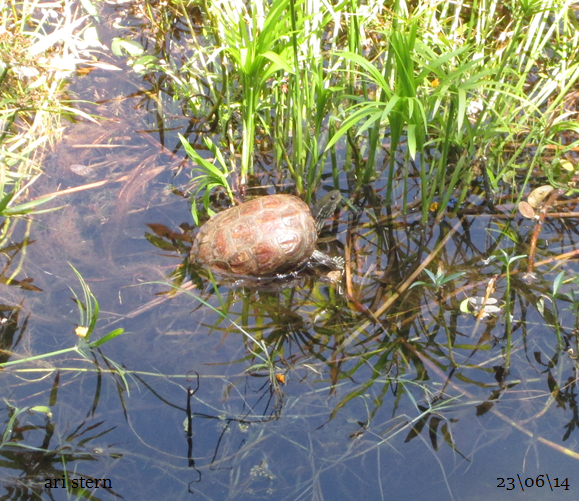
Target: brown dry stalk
column 551, row 199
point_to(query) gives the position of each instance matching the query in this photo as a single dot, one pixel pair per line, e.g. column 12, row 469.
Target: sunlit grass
column 40, row 47
column 447, row 85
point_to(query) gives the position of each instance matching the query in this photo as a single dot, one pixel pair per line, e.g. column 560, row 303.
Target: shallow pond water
column 390, row 391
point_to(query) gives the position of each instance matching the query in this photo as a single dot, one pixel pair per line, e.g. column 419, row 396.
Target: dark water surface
column 370, row 410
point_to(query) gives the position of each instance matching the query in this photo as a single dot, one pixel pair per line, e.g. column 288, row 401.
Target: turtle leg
column 334, row 263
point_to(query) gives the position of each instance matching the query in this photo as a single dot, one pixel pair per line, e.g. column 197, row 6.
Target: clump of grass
column 258, row 51
column 447, row 86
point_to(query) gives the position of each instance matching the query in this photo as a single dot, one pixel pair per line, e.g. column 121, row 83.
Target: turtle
column 269, row 236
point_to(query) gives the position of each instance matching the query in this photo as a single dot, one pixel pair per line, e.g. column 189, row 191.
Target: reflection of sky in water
column 360, row 453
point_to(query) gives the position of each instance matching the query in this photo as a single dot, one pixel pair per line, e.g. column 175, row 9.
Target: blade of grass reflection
column 434, row 368
column 401, row 288
column 388, row 303
column 96, row 184
column 267, row 359
column 20, row 264
column 559, row 257
column 187, row 286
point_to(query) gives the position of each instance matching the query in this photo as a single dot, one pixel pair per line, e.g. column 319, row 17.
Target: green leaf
column 91, row 9
column 461, row 108
column 159, row 242
column 194, row 212
column 94, row 317
column 145, row 62
column 366, row 109
column 108, row 337
column 132, row 48
column 371, row 69
column 243, row 59
column 464, row 306
column 558, row 281
column 431, row 275
column 278, row 61
column 41, row 408
column 27, row 207
column 453, row 276
column 411, row 138
column 5, row 201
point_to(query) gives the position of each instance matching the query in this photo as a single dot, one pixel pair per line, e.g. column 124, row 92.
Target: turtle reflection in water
column 268, row 237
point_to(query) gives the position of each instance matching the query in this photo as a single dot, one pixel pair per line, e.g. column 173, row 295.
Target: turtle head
column 325, row 208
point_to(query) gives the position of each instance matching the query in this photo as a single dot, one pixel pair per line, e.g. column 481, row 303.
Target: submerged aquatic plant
column 46, row 465
column 88, row 309
column 439, row 279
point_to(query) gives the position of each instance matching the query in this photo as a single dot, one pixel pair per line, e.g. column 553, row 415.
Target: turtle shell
column 260, row 238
